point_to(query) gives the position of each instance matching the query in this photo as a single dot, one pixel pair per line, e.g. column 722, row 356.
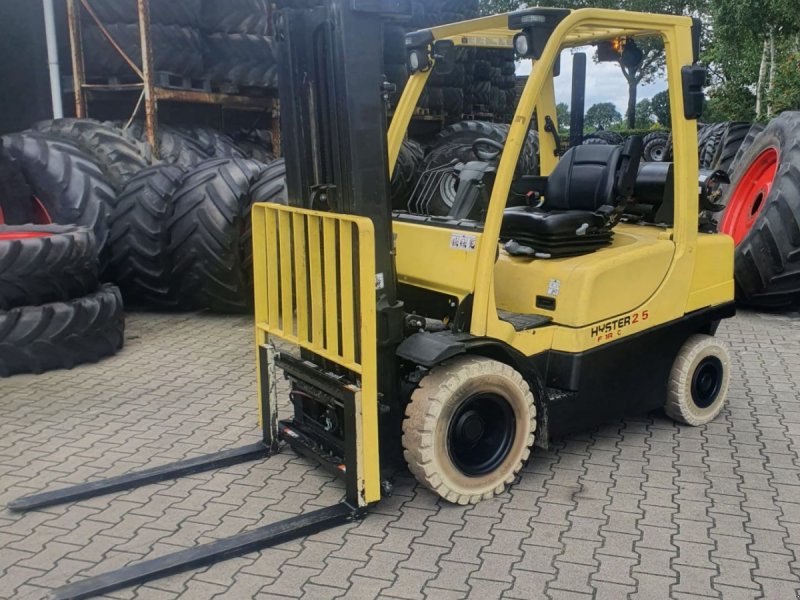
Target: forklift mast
column 333, row 114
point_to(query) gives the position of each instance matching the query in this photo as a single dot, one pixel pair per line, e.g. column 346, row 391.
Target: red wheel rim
column 750, row 196
column 22, row 235
column 42, row 215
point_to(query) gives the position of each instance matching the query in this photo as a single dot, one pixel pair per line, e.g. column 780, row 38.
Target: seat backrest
column 584, row 179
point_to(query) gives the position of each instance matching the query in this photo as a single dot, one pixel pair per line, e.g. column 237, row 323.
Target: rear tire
column 16, row 201
column 764, row 220
column 174, row 146
column 699, row 380
column 139, row 240
column 469, row 429
column 69, row 185
column 61, row 335
column 732, row 139
column 118, row 156
column 208, row 232
column 46, row 263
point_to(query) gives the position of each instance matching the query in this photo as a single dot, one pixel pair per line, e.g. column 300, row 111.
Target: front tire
column 698, row 383
column 469, row 429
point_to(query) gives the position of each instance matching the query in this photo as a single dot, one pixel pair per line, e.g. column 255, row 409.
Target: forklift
column 541, row 304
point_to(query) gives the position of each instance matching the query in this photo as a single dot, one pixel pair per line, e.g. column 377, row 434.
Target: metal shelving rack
column 151, row 94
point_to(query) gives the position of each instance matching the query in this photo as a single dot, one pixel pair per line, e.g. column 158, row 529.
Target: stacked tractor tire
column 88, row 217
column 54, row 311
column 225, row 43
column 481, row 81
column 451, row 146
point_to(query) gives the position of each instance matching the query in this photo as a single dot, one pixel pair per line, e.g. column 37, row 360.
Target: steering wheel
column 487, row 149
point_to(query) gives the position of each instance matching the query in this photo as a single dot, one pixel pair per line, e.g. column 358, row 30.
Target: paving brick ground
column 636, row 508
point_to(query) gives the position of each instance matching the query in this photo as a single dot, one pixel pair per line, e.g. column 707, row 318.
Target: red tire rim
column 750, row 196
column 22, row 235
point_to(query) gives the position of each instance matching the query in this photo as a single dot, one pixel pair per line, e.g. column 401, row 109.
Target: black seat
column 580, row 195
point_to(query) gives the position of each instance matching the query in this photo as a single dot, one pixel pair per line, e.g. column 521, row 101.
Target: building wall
column 24, row 80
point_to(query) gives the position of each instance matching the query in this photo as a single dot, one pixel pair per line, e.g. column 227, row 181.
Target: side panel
column 628, row 376
column 436, row 258
column 712, row 282
column 586, row 289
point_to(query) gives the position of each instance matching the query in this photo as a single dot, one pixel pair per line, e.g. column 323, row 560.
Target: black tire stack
column 54, row 314
column 175, row 38
column 455, row 144
column 237, row 49
column 181, row 238
column 446, row 92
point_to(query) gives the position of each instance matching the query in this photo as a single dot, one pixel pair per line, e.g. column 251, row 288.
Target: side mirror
column 693, row 79
column 444, row 53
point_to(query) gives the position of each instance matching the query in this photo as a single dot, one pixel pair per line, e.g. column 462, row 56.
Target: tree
column 644, row 114
column 562, row 114
column 659, row 105
column 602, row 115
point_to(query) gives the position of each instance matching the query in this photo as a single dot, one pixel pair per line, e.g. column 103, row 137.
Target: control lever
column 550, row 127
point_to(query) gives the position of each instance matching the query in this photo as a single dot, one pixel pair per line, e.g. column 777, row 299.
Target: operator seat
column 580, row 199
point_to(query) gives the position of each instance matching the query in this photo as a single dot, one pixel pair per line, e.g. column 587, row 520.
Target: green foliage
column 562, row 115
column 644, row 114
column 602, row 115
column 659, row 104
column 786, row 93
column 730, row 102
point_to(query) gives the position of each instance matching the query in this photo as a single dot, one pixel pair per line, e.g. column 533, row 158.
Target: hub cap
column 481, row 434
column 750, row 195
column 707, row 381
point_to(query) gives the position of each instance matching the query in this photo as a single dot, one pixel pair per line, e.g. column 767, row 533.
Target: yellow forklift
column 542, row 303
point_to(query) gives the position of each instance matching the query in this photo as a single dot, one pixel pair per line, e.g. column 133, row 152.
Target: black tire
column 241, row 59
column 120, row 157
column 16, row 199
column 46, row 263
column 270, row 186
column 208, row 232
column 453, row 101
column 216, row 144
column 174, row 146
column 767, row 258
column 139, row 239
column 655, row 149
column 752, row 133
column 466, row 132
column 462, row 464
column 236, row 16
column 256, row 150
column 406, row 173
column 61, row 335
column 708, row 141
column 162, row 12
column 594, row 141
column 732, row 139
column 176, row 49
column 612, row 138
column 68, row 184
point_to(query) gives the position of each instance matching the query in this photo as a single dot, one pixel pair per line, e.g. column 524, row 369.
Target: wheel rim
column 750, row 196
column 22, row 235
column 42, row 214
column 481, row 434
column 707, row 381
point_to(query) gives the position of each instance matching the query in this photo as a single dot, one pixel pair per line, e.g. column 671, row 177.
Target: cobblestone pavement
column 640, row 507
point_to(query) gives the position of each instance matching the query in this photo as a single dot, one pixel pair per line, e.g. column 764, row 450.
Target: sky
column 604, row 82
